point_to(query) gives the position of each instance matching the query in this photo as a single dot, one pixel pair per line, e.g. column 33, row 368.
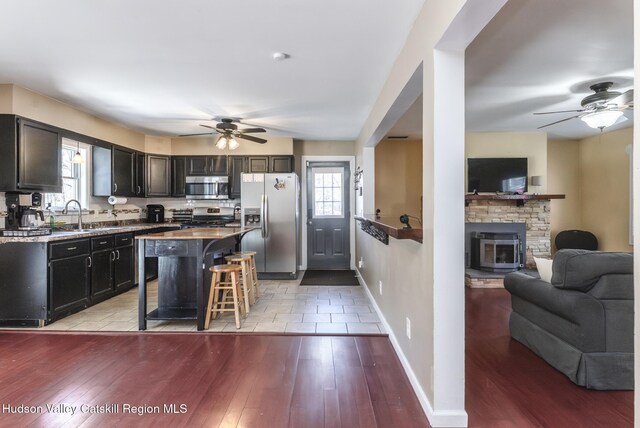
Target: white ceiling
column 542, row 55
column 163, row 67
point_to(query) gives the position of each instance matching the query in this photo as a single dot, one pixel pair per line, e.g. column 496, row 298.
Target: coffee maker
column 23, row 213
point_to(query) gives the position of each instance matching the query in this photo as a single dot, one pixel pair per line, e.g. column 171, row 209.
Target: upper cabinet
column 113, row 171
column 31, row 156
column 158, row 175
column 257, row 164
column 281, row 164
column 236, row 168
column 207, row 165
column 140, row 176
column 178, row 175
column 266, row 164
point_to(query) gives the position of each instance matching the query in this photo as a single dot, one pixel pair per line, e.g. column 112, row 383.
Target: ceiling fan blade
column 250, row 138
column 558, row 121
column 625, row 99
column 193, row 135
column 252, row 130
column 561, row 111
column 210, row 127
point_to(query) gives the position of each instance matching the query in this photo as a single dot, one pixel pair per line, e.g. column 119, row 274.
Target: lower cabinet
column 88, row 271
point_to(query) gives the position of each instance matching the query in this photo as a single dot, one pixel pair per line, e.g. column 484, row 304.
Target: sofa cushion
column 581, row 269
column 545, row 268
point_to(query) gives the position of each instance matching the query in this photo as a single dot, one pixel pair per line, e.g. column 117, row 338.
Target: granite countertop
column 198, row 233
column 60, row 235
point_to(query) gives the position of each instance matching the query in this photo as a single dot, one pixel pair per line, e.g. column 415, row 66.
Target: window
column 328, row 191
column 73, row 177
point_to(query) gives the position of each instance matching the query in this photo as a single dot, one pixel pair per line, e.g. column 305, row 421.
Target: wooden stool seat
column 246, row 253
column 219, row 298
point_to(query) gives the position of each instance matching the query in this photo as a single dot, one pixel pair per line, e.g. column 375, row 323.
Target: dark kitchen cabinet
column 236, row 168
column 31, row 155
column 113, row 171
column 207, row 165
column 158, row 175
column 69, row 277
column 140, row 176
column 123, row 171
column 178, row 175
column 123, row 273
column 257, row 164
column 281, row 164
column 101, row 275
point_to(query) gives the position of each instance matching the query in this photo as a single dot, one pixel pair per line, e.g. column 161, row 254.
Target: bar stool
column 245, row 280
column 219, row 293
column 254, row 271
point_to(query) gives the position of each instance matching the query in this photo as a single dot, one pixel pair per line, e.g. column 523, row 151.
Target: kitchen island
column 183, row 275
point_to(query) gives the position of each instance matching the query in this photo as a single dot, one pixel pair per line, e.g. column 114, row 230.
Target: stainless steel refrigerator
column 271, row 202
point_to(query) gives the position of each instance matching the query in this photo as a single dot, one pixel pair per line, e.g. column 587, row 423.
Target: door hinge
column 307, row 163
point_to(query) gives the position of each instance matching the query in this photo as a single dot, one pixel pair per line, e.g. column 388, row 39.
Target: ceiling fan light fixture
column 601, row 119
column 222, row 142
column 233, row 144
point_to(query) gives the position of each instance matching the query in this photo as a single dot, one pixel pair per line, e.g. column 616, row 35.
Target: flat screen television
column 497, row 175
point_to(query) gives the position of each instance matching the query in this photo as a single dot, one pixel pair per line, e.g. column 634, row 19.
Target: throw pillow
column 544, row 268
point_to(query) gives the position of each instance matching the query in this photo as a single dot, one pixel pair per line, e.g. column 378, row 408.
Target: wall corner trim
column 440, row 418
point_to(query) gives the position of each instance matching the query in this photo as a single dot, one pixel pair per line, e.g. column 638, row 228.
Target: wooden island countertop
column 204, row 233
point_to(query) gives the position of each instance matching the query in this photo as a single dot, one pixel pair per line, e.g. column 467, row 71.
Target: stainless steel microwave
column 213, row 187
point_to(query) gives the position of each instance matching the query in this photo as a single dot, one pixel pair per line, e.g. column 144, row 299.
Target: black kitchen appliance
column 22, row 215
column 155, row 213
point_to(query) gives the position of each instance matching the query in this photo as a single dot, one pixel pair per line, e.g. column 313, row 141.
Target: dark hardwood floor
column 507, row 385
column 222, row 380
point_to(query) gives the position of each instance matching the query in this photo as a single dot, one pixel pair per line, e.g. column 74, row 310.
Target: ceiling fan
column 229, row 132
column 601, row 109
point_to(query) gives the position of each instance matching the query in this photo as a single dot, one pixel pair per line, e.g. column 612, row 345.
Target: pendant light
column 77, row 158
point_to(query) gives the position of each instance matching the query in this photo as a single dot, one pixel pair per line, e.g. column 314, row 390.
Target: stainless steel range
column 212, row 217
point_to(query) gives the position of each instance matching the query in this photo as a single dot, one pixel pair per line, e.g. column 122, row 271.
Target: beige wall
column 398, row 178
column 563, row 173
column 206, row 146
column 605, row 188
column 6, row 99
column 157, row 145
column 531, row 145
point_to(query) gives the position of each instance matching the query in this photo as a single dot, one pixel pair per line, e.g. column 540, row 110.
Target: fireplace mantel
column 520, row 199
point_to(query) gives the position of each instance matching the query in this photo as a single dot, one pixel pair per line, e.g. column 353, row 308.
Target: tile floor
column 283, row 307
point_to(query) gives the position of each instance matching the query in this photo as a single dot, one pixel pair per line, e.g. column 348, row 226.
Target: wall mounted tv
column 497, row 175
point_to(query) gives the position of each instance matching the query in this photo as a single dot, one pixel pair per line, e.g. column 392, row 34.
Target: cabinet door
column 140, row 175
column 123, row 269
column 218, row 165
column 235, row 175
column 198, row 165
column 178, row 174
column 258, row 164
column 101, row 276
column 101, row 183
column 157, row 175
column 122, row 172
column 68, row 285
column 281, row 164
column 39, row 157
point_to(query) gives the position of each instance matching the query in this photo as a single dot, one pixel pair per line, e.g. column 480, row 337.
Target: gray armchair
column 582, row 322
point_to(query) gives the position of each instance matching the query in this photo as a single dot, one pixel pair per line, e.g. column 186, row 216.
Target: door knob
column 309, row 222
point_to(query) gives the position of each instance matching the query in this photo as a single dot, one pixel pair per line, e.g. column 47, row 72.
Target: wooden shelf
column 390, row 226
column 520, row 199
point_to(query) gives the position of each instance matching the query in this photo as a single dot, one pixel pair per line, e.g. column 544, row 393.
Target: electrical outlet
column 380, row 287
column 360, row 263
column 408, row 328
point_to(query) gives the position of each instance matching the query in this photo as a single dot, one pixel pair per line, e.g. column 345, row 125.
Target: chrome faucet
column 65, row 211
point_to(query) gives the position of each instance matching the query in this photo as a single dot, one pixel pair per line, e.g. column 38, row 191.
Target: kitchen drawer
column 124, row 239
column 164, row 248
column 102, row 242
column 69, row 248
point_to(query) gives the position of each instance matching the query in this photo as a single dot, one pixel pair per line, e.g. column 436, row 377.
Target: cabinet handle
column 103, row 242
column 125, row 239
column 71, row 248
column 139, row 190
column 115, row 187
column 171, row 248
column 90, row 262
column 113, row 256
column 118, row 254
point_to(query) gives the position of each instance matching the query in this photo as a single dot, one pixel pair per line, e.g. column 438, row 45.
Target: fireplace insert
column 496, row 252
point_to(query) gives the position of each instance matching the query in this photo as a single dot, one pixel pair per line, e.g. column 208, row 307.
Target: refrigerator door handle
column 263, row 219
column 266, row 216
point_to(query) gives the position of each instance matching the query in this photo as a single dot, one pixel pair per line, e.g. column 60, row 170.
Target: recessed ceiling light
column 279, row 56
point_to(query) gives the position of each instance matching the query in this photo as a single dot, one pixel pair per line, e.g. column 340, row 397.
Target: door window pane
column 328, row 190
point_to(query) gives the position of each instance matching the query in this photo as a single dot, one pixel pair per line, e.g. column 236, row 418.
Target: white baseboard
column 436, row 418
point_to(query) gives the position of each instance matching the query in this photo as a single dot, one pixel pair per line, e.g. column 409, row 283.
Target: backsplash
column 99, row 210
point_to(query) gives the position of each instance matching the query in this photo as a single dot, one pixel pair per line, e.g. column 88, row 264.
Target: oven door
column 201, row 188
